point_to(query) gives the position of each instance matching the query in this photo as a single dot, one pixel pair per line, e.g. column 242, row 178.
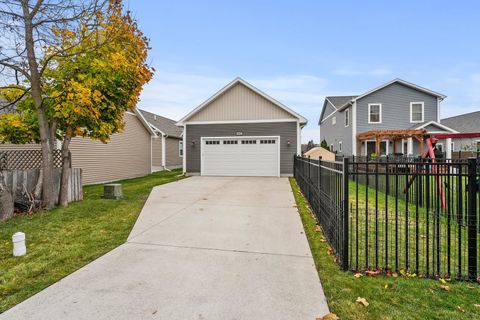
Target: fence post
column 295, row 167
column 309, row 180
column 472, row 219
column 345, row 214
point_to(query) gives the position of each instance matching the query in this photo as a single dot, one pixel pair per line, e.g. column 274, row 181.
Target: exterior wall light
column 289, row 142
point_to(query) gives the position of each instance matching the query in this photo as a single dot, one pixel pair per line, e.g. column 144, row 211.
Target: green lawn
column 62, row 240
column 389, row 298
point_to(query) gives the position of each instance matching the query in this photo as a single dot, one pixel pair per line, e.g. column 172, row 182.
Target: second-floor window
column 347, row 117
column 416, row 112
column 375, row 113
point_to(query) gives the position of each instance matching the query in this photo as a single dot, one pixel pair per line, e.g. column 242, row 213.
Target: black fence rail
column 408, row 215
column 323, row 184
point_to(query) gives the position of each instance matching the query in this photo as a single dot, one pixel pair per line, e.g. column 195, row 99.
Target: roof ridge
column 459, row 115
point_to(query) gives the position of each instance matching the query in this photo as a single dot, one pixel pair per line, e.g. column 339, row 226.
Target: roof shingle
column 163, row 124
column 468, row 122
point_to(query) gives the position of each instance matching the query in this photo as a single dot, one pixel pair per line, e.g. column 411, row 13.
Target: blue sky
column 300, row 51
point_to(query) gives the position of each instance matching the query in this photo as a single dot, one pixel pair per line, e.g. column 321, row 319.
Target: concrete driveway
column 202, row 248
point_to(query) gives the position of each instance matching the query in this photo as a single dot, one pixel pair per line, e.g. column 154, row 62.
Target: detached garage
column 241, row 131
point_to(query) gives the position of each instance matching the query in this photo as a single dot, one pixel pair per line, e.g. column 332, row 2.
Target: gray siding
column 286, row 131
column 172, row 156
column 328, row 110
column 333, row 134
column 395, row 100
column 157, row 151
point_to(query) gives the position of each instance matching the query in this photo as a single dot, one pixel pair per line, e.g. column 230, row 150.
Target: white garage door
column 240, row 156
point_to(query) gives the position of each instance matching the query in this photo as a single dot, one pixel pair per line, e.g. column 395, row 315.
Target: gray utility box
column 112, row 191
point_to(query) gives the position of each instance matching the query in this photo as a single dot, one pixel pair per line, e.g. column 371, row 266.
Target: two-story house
column 395, row 105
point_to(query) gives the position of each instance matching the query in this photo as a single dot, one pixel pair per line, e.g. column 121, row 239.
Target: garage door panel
column 232, row 156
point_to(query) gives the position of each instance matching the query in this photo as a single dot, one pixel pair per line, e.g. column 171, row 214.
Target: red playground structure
column 430, row 154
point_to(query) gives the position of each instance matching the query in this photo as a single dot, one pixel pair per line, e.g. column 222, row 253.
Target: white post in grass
column 19, row 248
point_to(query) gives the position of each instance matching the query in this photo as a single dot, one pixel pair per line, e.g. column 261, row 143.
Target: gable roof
column 424, row 125
column 400, row 81
column 164, row 125
column 235, row 81
column 336, row 102
column 465, row 123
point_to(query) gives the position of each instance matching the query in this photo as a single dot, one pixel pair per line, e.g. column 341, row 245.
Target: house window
column 212, row 142
column 347, row 117
column 249, row 141
column 340, row 146
column 331, row 147
column 416, row 112
column 180, row 148
column 334, row 120
column 374, row 113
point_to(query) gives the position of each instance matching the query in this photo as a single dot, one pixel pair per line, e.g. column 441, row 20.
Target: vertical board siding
column 126, row 155
column 157, row 151
column 286, row 130
column 19, row 181
column 240, row 103
column 172, row 158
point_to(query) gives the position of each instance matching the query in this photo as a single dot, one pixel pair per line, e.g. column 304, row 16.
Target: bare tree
column 28, row 44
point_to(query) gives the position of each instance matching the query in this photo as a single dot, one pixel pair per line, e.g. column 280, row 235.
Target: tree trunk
column 6, row 200
column 44, row 128
column 66, row 168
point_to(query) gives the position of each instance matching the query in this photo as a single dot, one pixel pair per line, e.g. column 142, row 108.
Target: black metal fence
column 408, row 215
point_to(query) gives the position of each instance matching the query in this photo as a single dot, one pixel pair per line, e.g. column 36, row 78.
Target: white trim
column 143, row 121
column 299, row 139
column 354, row 128
column 331, row 104
column 180, row 143
column 151, row 153
column 442, row 126
column 164, row 151
column 405, row 83
column 184, row 160
column 239, row 121
column 448, row 148
column 248, row 85
column 438, row 109
column 345, row 118
column 423, row 111
column 379, row 113
column 328, row 116
column 410, row 146
column 156, row 129
column 241, row 138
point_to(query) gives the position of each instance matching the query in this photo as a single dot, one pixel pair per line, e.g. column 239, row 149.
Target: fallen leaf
column 323, row 240
column 362, row 301
column 395, row 275
column 373, row 273
column 442, row 281
column 358, row 275
column 317, row 228
column 444, row 287
column 330, row 316
column 476, row 305
column 460, row 308
column 154, row 312
column 330, row 251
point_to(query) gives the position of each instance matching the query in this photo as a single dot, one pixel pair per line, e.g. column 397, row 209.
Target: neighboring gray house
column 465, row 123
column 167, row 145
column 241, row 131
column 395, row 105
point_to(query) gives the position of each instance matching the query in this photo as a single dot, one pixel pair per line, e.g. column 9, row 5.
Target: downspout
column 164, row 142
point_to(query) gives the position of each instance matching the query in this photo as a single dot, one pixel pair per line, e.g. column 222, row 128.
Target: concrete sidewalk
column 202, row 248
